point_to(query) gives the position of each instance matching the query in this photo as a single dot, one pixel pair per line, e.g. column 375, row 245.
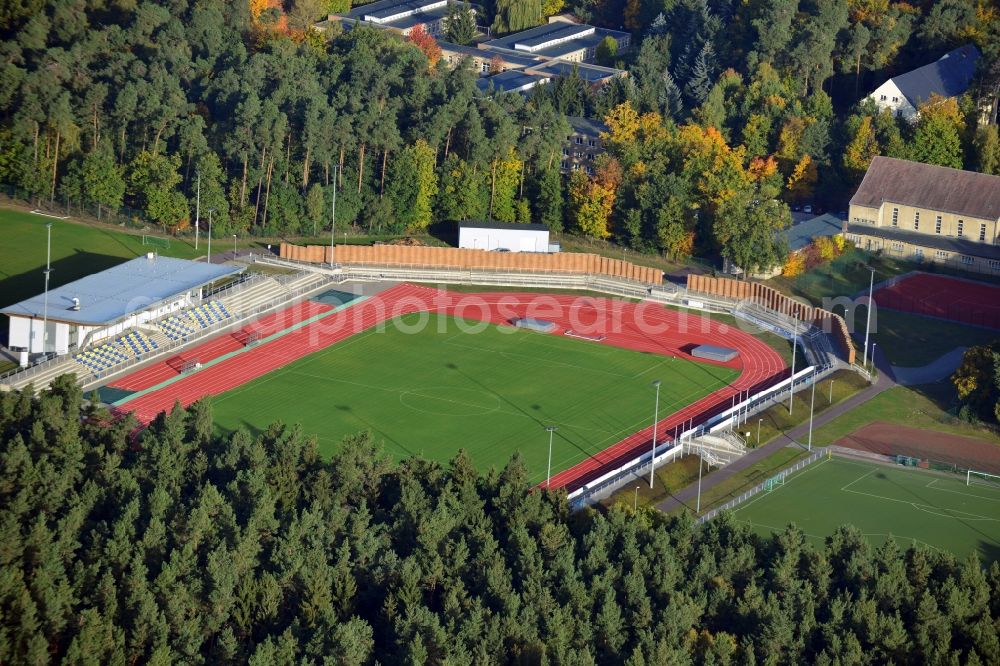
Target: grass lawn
column 923, row 407
column 669, row 479
column 906, row 339
column 911, row 340
column 882, row 501
column 431, row 390
column 77, row 250
column 748, row 478
column 777, row 420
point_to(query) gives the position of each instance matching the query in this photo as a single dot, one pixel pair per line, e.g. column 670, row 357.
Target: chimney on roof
column 76, row 304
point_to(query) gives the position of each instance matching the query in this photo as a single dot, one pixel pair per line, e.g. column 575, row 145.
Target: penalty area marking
column 959, row 492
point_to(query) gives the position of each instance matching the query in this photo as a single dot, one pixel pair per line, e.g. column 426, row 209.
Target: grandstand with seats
column 102, row 306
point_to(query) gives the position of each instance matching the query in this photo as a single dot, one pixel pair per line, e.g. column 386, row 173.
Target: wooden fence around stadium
column 467, row 259
column 775, row 300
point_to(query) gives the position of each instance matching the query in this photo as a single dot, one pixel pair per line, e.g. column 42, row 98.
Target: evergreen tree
column 460, row 24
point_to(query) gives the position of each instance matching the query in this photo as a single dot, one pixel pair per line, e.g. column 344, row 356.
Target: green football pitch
column 937, row 510
column 432, row 392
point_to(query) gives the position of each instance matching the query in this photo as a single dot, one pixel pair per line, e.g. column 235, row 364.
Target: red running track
column 956, row 299
column 219, row 346
column 640, row 326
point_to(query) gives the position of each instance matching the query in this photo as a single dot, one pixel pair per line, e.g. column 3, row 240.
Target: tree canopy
column 177, row 544
column 126, row 107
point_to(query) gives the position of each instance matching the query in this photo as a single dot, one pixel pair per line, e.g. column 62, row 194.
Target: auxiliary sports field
column 430, row 372
column 912, row 506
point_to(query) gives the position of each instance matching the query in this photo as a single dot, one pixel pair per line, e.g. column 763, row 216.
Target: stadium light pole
column 759, row 421
column 656, row 416
column 333, row 213
column 701, row 459
column 548, row 476
column 791, row 380
column 812, row 408
column 197, row 210
column 635, row 499
column 234, row 246
column 868, row 316
column 208, row 258
column 48, row 270
column 831, row 391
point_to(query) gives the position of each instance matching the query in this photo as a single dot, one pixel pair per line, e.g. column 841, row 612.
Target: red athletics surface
column 960, row 300
column 640, row 326
column 218, row 346
column 891, row 439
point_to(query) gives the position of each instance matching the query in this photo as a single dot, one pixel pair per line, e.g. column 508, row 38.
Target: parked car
column 807, row 209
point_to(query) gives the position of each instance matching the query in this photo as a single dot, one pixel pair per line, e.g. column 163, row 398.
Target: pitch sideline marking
column 867, row 534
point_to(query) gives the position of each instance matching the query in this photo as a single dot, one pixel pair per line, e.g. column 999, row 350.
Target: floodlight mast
column 548, row 475
column 48, row 270
column 656, row 417
column 208, row 257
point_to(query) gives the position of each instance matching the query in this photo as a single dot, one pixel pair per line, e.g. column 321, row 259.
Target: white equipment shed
column 503, row 237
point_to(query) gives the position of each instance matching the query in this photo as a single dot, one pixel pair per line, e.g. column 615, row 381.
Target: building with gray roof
column 400, row 15
column 561, row 39
column 949, row 76
column 925, row 212
column 107, row 303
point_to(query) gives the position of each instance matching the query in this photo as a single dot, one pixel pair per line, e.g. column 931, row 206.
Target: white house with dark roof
column 949, row 76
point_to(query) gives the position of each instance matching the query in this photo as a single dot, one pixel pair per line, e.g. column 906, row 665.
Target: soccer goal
column 982, row 478
column 775, row 481
column 156, row 241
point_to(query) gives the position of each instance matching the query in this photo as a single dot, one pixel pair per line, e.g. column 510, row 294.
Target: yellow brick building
column 928, row 213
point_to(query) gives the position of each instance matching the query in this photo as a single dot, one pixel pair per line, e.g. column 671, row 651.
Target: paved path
column 934, row 371
column 687, row 497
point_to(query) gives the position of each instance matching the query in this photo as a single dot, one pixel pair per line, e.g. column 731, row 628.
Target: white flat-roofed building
column 560, row 38
column 401, row 15
column 108, row 303
column 492, row 236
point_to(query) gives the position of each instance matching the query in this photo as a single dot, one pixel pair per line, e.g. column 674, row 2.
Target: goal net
column 775, row 481
column 156, row 241
column 972, row 477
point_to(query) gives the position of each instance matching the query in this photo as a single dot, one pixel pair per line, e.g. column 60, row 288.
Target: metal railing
column 736, row 501
column 49, row 360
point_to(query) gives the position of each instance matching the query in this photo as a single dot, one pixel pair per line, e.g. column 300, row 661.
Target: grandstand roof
column 122, row 290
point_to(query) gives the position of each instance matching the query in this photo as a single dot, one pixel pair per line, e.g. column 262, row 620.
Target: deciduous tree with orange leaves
column 418, row 37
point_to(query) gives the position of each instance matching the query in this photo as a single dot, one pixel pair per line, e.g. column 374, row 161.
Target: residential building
column 949, row 76
column 924, row 212
column 559, row 39
column 583, row 145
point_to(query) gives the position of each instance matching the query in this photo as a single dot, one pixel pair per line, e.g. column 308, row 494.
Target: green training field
column 77, row 250
column 435, row 391
column 911, row 505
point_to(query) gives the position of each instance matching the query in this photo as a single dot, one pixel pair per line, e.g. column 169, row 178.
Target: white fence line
column 736, row 501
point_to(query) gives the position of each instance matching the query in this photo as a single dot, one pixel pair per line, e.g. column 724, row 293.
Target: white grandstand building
column 106, row 304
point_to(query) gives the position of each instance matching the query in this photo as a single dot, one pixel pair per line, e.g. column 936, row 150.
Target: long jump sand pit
column 890, row 439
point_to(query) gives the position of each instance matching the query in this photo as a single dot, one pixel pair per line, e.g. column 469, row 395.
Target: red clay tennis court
column 955, row 299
